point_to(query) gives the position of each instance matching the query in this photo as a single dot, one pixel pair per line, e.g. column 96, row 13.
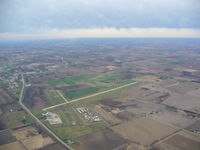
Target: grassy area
column 170, row 108
column 70, row 132
column 70, row 81
column 12, row 119
column 161, row 76
column 172, row 63
column 96, row 83
column 53, row 96
column 137, row 75
column 81, row 92
column 88, row 91
column 106, row 79
column 90, row 102
column 73, row 125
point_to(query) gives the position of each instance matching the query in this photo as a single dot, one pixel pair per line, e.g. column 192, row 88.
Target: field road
column 60, row 94
column 28, row 111
column 177, row 83
column 96, row 94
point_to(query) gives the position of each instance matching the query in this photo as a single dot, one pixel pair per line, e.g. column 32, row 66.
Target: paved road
column 28, row 111
column 96, row 94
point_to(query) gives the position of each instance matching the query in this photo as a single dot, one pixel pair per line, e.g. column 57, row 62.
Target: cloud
column 24, row 16
column 106, row 33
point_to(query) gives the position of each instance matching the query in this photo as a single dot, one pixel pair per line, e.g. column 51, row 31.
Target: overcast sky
column 99, row 18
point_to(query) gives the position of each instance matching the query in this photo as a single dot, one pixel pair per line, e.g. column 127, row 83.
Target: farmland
column 93, row 84
column 100, row 94
column 73, row 125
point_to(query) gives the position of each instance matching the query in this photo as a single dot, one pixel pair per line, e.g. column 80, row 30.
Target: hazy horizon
column 43, row 19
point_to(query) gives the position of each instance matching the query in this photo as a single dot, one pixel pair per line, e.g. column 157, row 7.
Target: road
column 177, row 83
column 60, row 94
column 28, row 111
column 96, row 94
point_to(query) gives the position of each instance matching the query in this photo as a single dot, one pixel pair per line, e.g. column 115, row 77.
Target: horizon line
column 104, row 33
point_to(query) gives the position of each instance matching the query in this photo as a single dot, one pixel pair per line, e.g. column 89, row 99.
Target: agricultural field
column 102, row 94
column 130, row 108
column 25, row 138
column 180, row 141
column 103, row 139
column 174, row 118
column 13, row 116
column 89, row 84
column 73, row 124
column 143, row 130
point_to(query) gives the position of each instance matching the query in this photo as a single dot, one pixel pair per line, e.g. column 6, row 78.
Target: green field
column 95, row 83
column 70, row 81
column 170, row 108
column 91, row 102
column 172, row 63
column 81, row 92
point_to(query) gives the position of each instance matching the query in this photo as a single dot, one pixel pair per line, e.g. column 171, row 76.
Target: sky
column 30, row 19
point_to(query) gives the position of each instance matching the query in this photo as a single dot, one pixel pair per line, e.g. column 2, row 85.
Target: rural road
column 96, row 94
column 177, row 83
column 60, row 94
column 28, row 111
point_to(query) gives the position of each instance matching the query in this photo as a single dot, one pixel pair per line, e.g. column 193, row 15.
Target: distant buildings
column 88, row 115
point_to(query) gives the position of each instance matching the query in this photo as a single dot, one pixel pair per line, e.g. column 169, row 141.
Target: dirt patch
column 125, row 115
column 105, row 139
column 187, row 101
column 167, row 82
column 106, row 115
column 155, row 97
column 181, row 88
column 130, row 103
column 55, row 146
column 126, row 74
column 110, row 102
column 183, row 143
column 24, row 133
column 111, row 67
column 143, row 131
column 134, row 146
column 36, row 142
column 31, row 138
column 195, row 126
column 147, row 79
column 143, row 108
column 173, row 118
